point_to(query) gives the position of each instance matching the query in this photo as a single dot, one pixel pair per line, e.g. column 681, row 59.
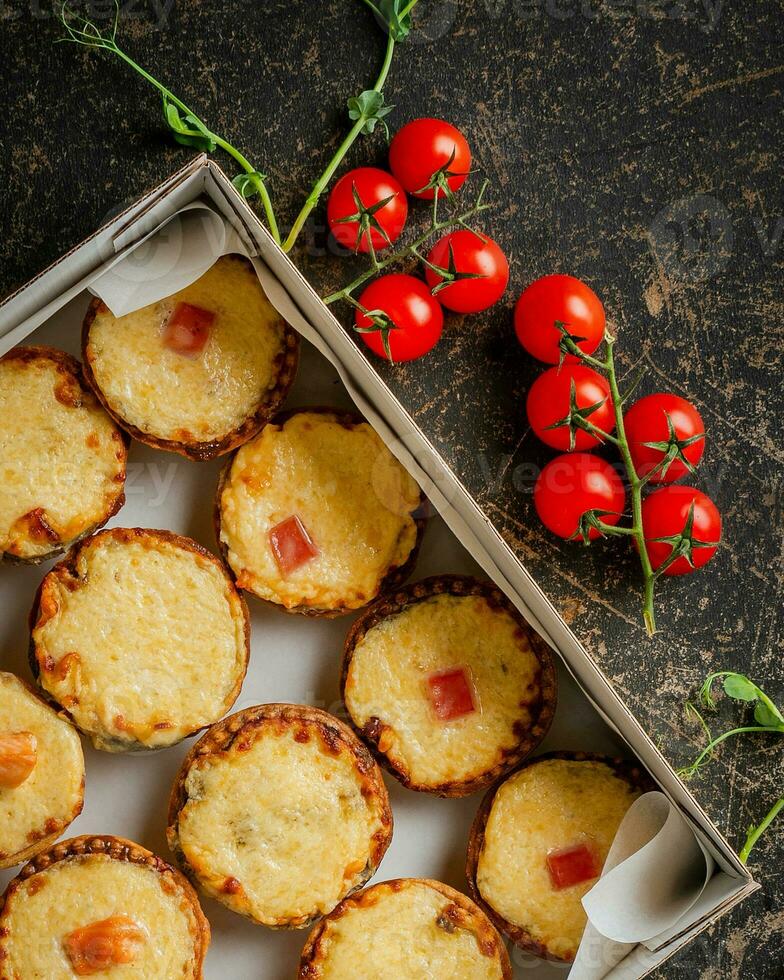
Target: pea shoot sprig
column 756, row 831
column 767, row 718
column 365, row 111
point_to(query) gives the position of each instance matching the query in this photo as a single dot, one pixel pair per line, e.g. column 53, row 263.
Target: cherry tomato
column 550, row 401
column 573, row 484
column 479, row 269
column 564, row 299
column 429, row 153
column 418, row 318
column 666, row 514
column 367, row 203
column 674, row 426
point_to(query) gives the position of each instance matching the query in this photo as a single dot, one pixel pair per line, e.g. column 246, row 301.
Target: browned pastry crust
column 396, row 575
column 118, row 849
column 457, row 585
column 241, row 729
column 72, row 390
column 284, row 372
column 630, row 772
column 462, row 913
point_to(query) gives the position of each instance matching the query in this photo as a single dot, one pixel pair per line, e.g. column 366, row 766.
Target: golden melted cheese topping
column 144, row 642
column 62, row 459
column 78, row 891
column 198, row 398
column 406, row 931
column 51, row 796
column 353, row 497
column 387, row 679
column 278, row 829
column 550, row 805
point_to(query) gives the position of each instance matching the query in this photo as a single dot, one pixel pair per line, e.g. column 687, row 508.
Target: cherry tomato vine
column 675, row 529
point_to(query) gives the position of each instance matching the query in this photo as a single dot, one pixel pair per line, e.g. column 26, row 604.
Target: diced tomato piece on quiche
column 569, row 866
column 450, row 694
column 101, row 945
column 18, row 755
column 291, row 544
column 187, row 329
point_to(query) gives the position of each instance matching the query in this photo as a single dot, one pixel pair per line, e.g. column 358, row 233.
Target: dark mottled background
column 633, row 144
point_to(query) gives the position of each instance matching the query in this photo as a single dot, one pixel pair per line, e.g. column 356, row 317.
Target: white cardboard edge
column 461, row 513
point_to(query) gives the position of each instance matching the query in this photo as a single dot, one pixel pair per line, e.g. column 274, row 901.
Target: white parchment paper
column 656, row 870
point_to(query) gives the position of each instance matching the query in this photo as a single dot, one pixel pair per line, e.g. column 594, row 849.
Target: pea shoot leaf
column 248, row 184
column 740, row 688
column 399, row 22
column 369, row 106
column 768, row 715
column 186, row 128
column 395, row 15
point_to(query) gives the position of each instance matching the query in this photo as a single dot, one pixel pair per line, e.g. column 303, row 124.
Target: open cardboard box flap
column 34, row 303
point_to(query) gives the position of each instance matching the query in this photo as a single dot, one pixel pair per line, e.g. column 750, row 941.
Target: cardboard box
column 36, row 302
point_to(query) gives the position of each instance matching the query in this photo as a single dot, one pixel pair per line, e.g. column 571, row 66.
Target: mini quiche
column 279, row 812
column 141, row 637
column 101, row 906
column 407, row 928
column 448, row 684
column 41, row 773
column 62, row 459
column 199, row 372
column 316, row 515
column 539, row 843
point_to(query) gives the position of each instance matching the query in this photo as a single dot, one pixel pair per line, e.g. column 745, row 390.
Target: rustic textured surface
column 631, row 143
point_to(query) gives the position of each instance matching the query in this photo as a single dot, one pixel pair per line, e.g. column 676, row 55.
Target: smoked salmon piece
column 18, row 757
column 101, row 945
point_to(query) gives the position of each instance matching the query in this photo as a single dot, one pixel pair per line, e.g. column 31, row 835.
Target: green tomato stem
column 587, row 426
column 615, row 529
column 635, row 489
column 408, row 251
column 321, row 184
